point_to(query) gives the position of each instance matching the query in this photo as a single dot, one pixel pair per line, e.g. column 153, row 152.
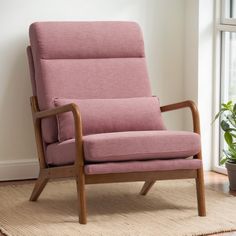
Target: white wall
column 199, row 33
column 163, row 25
column 205, row 76
column 191, row 56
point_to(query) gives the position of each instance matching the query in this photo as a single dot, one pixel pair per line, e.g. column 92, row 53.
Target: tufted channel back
column 85, row 60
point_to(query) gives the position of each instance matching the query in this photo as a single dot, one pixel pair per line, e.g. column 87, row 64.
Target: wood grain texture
column 140, row 176
column 77, row 169
column 38, row 187
column 146, row 187
column 186, row 104
column 38, row 133
column 196, row 128
column 82, row 208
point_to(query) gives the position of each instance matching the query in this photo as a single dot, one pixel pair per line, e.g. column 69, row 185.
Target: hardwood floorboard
column 213, row 180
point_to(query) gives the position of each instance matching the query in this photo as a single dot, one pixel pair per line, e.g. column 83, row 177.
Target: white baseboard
column 18, row 169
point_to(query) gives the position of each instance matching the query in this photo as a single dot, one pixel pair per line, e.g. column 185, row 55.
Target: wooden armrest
column 58, row 110
column 186, row 104
column 39, row 115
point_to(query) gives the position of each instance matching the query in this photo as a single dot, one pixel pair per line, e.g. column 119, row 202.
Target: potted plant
column 227, row 114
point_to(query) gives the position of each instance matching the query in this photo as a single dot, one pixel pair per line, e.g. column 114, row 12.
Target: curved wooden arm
column 39, row 115
column 58, row 110
column 186, row 104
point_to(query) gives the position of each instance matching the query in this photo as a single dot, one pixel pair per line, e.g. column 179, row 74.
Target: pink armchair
column 94, row 115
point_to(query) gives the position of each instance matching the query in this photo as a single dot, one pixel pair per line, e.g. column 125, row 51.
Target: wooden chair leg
column 80, row 181
column 147, row 186
column 38, row 188
column 200, row 193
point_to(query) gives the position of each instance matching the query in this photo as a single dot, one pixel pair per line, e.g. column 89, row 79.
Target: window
column 228, row 67
column 228, row 12
column 225, row 76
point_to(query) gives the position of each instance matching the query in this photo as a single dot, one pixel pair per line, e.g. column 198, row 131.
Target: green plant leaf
column 224, row 125
column 228, row 138
column 227, row 154
column 231, row 152
column 223, row 160
column 224, row 105
column 228, row 106
column 231, row 118
column 217, row 115
column 234, row 108
column 233, row 160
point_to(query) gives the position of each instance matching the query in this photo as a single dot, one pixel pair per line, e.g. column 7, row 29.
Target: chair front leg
column 80, row 182
column 196, row 128
column 200, row 189
column 38, row 188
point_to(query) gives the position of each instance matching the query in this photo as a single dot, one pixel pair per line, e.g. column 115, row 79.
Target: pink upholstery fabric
column 60, row 154
column 84, row 60
column 102, row 60
column 86, row 40
column 98, row 78
column 93, row 78
column 140, row 145
column 141, row 166
column 124, row 146
column 111, row 115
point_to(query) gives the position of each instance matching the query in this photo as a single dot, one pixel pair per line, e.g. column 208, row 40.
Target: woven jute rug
column 115, row 209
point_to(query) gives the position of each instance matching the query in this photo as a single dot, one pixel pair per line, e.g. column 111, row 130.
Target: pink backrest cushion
column 83, row 40
column 86, row 60
column 111, row 115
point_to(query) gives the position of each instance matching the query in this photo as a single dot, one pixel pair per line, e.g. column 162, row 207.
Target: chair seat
column 127, row 146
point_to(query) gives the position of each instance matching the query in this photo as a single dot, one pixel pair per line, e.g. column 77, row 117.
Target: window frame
column 222, row 24
column 223, row 19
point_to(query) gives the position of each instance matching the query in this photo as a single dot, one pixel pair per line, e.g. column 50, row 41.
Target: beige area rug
column 115, row 209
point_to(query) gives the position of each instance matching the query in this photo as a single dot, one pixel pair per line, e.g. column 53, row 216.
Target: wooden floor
column 212, row 180
column 219, row 182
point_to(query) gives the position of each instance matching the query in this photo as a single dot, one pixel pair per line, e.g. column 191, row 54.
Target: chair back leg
column 147, row 186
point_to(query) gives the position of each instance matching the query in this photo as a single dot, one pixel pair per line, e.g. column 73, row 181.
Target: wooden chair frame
column 77, row 169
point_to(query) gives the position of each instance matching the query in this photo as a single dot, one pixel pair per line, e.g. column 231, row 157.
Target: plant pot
column 231, row 169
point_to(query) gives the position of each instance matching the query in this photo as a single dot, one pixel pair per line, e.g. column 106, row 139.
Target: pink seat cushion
column 141, row 166
column 125, row 146
column 111, row 115
column 140, row 145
